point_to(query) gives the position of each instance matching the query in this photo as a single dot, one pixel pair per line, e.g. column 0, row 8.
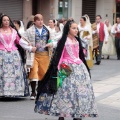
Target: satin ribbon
column 49, row 41
column 61, row 76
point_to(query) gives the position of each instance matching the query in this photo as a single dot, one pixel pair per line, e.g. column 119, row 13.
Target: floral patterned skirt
column 13, row 82
column 74, row 99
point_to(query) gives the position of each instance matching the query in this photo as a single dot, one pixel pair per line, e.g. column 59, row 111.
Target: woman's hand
column 34, row 49
column 88, row 38
column 106, row 42
column 29, row 44
column 49, row 45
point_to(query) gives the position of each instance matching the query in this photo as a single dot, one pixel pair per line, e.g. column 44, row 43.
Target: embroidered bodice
column 70, row 53
column 8, row 41
column 41, row 39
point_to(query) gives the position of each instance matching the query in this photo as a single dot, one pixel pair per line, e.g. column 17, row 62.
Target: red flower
column 65, row 69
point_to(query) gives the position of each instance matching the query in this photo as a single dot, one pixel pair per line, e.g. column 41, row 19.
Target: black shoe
column 77, row 119
column 108, row 57
column 97, row 63
column 61, row 118
column 118, row 58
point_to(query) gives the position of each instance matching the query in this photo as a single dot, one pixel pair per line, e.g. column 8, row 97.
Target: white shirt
column 58, row 35
column 52, row 32
column 25, row 45
column 40, row 30
column 21, row 31
column 113, row 30
column 61, row 26
column 105, row 31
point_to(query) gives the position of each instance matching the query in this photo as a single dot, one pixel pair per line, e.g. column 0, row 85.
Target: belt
column 117, row 35
column 45, row 53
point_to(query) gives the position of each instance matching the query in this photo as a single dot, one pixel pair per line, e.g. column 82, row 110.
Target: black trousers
column 117, row 45
column 98, row 57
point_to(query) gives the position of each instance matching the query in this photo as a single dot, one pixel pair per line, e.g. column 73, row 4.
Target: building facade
column 57, row 9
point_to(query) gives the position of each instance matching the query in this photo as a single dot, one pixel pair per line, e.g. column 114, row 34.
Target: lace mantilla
column 3, row 41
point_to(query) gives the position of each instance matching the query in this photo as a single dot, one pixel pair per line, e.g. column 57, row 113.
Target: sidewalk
column 107, row 92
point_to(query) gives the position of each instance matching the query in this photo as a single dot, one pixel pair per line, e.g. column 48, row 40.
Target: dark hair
column 53, row 20
column 99, row 16
column 11, row 23
column 60, row 20
column 1, row 18
column 20, row 49
column 49, row 82
column 58, row 25
column 63, row 20
column 17, row 21
column 67, row 27
column 29, row 24
column 83, row 18
column 71, row 18
column 1, row 14
column 118, row 17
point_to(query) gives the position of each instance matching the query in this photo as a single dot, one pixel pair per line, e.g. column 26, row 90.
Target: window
column 63, row 9
column 89, row 7
column 118, row 9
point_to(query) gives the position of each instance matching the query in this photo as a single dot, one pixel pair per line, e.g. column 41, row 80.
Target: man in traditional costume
column 116, row 31
column 102, row 35
column 38, row 36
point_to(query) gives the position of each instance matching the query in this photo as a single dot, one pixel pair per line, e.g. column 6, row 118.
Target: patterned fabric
column 7, row 41
column 85, row 33
column 41, row 39
column 30, row 34
column 109, row 48
column 70, row 53
column 95, row 37
column 13, row 81
column 74, row 99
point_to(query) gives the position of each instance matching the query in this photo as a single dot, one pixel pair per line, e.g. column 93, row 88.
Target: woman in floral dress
column 86, row 37
column 75, row 97
column 13, row 82
column 109, row 48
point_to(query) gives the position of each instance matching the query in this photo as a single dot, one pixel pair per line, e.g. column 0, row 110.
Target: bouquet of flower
column 64, row 72
column 85, row 33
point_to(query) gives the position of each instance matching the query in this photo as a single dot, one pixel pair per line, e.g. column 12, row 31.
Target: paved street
column 106, row 82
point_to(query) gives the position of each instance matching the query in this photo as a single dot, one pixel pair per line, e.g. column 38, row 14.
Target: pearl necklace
column 6, row 31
